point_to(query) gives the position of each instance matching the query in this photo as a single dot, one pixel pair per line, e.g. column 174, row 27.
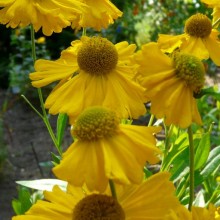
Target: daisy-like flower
column 199, row 39
column 51, row 15
column 171, row 83
column 152, row 199
column 215, row 4
column 101, row 14
column 93, row 71
column 197, row 213
column 105, row 150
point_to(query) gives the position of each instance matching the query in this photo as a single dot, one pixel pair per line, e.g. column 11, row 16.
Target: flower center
column 190, row 69
column 97, row 56
column 94, row 123
column 198, row 25
column 98, row 207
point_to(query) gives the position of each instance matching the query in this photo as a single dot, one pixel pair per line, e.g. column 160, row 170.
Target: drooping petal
column 169, row 43
column 149, row 57
column 99, row 16
column 213, row 46
column 83, row 163
column 52, row 15
column 196, row 47
column 152, row 199
column 136, row 145
column 50, row 71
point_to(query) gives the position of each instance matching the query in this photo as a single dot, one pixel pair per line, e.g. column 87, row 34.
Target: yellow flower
column 199, row 39
column 215, row 4
column 197, row 213
column 93, row 71
column 170, row 84
column 52, row 16
column 105, row 150
column 101, row 14
column 152, row 199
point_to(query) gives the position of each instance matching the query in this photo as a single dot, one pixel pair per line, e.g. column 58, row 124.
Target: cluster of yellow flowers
column 101, row 83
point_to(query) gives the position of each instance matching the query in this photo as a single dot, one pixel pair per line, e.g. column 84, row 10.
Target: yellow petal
column 50, row 71
column 149, row 57
column 196, row 47
column 91, row 170
column 169, row 43
column 152, row 199
column 213, row 46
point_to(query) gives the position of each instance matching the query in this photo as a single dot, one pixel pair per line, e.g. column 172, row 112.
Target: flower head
column 171, row 83
column 199, row 39
column 93, row 71
column 105, row 150
column 101, row 14
column 95, row 123
column 199, row 26
column 152, row 199
column 97, row 56
column 52, row 16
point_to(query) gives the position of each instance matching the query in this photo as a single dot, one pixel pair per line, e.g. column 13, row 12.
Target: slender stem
column 151, row 120
column 29, row 103
column 191, row 167
column 84, row 32
column 44, row 115
column 112, row 188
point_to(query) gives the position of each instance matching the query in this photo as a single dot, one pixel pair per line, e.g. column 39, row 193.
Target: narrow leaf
column 61, row 125
column 202, row 151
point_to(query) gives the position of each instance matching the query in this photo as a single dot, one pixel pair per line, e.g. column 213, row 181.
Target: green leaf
column 43, row 184
column 23, row 203
column 208, row 91
column 213, row 162
column 180, row 165
column 61, row 125
column 16, row 205
column 56, row 159
column 147, row 173
column 180, row 144
column 202, row 151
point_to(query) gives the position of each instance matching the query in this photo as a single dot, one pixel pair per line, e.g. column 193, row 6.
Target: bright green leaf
column 213, row 162
column 61, row 125
column 202, row 151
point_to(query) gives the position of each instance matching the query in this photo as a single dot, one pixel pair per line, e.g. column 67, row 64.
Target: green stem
column 112, row 188
column 44, row 116
column 191, row 167
column 84, row 32
column 29, row 103
column 151, row 121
